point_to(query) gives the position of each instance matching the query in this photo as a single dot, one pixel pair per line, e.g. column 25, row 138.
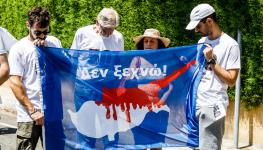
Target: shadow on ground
column 7, row 131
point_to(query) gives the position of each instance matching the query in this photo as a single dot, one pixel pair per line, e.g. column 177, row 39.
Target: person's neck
column 30, row 38
column 96, row 28
column 216, row 33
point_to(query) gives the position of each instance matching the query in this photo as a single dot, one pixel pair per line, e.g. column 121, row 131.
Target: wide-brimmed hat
column 152, row 33
column 198, row 13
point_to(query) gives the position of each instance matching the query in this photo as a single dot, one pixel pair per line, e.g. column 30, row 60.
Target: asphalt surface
column 8, row 131
column 8, row 136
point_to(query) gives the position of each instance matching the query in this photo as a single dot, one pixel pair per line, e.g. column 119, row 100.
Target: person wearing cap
column 102, row 35
column 222, row 56
column 6, row 42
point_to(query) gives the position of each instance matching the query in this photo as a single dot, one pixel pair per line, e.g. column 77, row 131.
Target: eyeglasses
column 38, row 33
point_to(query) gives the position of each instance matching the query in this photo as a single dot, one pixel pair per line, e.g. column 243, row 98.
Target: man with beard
column 24, row 78
column 222, row 56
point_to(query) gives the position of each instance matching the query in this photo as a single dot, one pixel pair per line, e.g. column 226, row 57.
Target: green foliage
column 252, row 59
column 168, row 16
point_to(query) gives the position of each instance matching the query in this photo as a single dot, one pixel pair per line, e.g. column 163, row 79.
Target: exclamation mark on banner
column 164, row 70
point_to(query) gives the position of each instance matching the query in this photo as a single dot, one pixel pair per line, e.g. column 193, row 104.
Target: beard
column 206, row 33
column 33, row 37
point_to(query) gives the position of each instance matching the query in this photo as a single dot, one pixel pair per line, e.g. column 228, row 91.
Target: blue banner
column 125, row 100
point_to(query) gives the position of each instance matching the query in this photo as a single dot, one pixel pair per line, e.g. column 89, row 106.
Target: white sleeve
column 121, row 42
column 59, row 45
column 53, row 42
column 233, row 61
column 6, row 40
column 15, row 62
column 75, row 41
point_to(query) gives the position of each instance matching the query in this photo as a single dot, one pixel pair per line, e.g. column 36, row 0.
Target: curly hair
column 39, row 15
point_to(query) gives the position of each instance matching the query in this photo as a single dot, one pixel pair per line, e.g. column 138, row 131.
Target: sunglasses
column 38, row 33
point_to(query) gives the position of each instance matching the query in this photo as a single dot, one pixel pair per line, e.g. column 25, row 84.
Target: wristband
column 211, row 61
column 33, row 112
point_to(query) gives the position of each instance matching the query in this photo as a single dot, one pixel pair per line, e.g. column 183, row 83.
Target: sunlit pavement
column 8, row 137
column 8, row 126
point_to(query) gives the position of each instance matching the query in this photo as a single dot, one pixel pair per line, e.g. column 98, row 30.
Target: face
column 38, row 32
column 150, row 43
column 106, row 32
column 203, row 28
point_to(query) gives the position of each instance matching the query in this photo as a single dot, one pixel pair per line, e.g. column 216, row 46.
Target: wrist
column 33, row 113
column 31, row 110
column 212, row 61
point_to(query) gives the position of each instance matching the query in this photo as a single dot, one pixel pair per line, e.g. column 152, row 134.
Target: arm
column 228, row 76
column 8, row 39
column 20, row 93
column 4, row 68
column 121, row 43
column 166, row 94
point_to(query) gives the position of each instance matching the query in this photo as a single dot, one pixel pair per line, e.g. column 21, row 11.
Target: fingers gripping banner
column 125, row 100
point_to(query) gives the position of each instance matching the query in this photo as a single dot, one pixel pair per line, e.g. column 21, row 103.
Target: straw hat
column 152, row 33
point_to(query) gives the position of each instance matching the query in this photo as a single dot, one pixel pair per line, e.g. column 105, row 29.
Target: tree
column 168, row 16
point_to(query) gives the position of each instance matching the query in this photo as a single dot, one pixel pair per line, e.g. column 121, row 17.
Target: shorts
column 28, row 134
column 211, row 131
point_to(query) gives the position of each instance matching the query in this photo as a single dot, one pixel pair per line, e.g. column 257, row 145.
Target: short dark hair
column 212, row 16
column 140, row 46
column 39, row 15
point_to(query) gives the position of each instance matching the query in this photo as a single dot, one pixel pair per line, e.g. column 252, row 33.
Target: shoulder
column 52, row 38
column 229, row 40
column 4, row 33
column 20, row 45
column 117, row 34
column 53, row 41
column 202, row 40
column 84, row 29
column 3, row 30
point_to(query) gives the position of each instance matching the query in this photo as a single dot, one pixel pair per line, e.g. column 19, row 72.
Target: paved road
column 8, row 137
column 8, row 131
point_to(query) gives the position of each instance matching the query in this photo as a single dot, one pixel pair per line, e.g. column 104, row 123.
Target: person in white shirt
column 102, row 35
column 24, row 78
column 6, row 42
column 222, row 56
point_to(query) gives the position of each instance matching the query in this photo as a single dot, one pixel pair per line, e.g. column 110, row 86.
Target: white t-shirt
column 6, row 40
column 212, row 90
column 22, row 61
column 86, row 38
